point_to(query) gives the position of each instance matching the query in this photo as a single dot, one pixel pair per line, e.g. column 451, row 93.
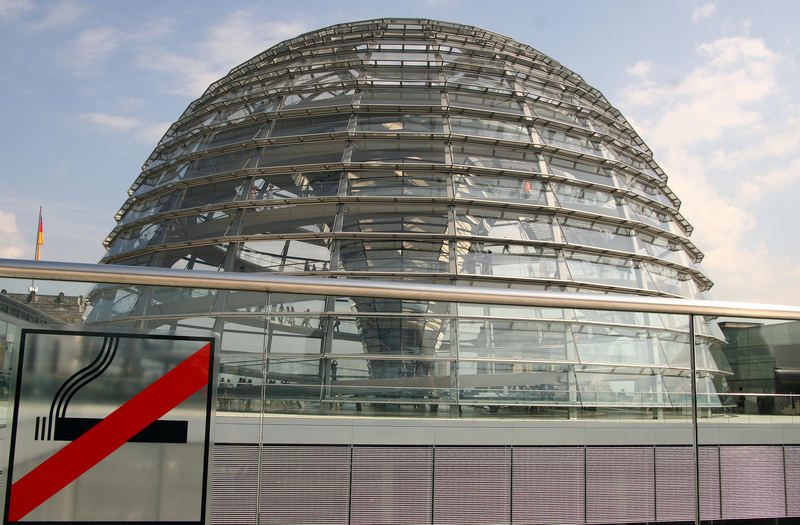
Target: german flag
column 40, row 235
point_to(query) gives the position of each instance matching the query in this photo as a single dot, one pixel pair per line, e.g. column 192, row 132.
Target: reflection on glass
column 601, row 235
column 333, row 97
column 572, row 141
column 297, row 154
column 288, row 219
column 414, row 336
column 294, row 185
column 309, row 125
column 232, row 135
column 397, row 151
column 485, row 101
column 283, row 256
column 515, row 339
column 400, row 123
column 672, row 281
column 618, row 387
column 505, row 224
column 393, row 256
column 389, row 381
column 560, row 113
column 518, row 159
column 580, row 170
column 508, row 260
column 389, row 357
column 618, row 344
column 291, row 384
column 240, row 381
column 664, row 249
column 645, row 187
column 395, row 217
column 509, row 383
column 395, row 183
column 402, row 96
column 496, row 129
column 289, row 333
column 163, row 202
column 219, row 164
column 205, row 225
column 530, row 190
column 580, row 198
column 137, row 238
column 612, row 271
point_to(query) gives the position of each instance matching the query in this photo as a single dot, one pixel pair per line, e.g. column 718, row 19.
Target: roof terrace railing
column 138, row 275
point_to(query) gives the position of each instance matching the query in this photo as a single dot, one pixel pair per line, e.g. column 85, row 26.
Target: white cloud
column 91, row 48
column 155, row 29
column 115, row 122
column 640, row 68
column 152, row 133
column 59, row 15
column 713, row 98
column 143, row 132
column 10, row 9
column 703, row 12
column 94, row 45
column 13, row 245
column 236, row 38
column 193, row 74
column 729, row 138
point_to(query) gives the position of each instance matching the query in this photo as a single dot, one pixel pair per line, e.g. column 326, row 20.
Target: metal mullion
column 695, row 451
column 264, row 370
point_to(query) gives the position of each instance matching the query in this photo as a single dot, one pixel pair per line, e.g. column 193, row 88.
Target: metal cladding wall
column 406, row 485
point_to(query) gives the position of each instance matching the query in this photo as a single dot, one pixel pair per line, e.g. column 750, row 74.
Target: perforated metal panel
column 547, row 485
column 619, row 484
column 472, row 485
column 792, row 459
column 709, row 483
column 305, row 484
column 394, row 485
column 675, row 483
column 234, row 481
column 752, row 482
column 391, row 485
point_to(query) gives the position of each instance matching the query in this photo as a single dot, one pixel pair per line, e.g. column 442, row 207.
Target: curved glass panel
column 508, row 224
column 397, row 151
column 399, row 123
column 288, row 219
column 393, row 183
column 374, row 255
column 530, row 191
column 508, row 260
column 502, row 158
column 295, row 185
column 601, row 235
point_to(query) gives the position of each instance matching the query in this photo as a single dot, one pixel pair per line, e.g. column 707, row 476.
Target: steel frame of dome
column 404, row 149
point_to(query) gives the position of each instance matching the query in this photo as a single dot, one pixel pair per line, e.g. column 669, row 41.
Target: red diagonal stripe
column 63, row 467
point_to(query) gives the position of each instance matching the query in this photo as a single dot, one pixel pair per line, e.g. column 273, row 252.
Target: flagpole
column 37, row 248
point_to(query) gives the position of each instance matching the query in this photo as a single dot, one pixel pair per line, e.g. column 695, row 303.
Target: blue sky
column 89, row 87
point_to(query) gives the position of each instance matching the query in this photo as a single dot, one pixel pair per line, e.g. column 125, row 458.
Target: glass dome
column 425, row 151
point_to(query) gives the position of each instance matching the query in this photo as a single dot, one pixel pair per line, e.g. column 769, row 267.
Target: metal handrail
column 139, row 275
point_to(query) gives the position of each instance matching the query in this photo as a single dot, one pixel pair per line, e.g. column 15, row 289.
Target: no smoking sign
column 110, row 428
